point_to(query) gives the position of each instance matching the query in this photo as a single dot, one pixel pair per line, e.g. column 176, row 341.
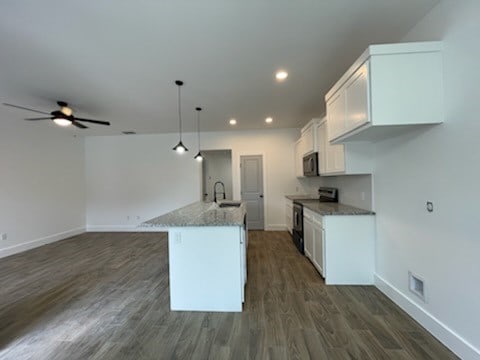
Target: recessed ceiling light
column 233, row 122
column 281, row 75
column 268, row 120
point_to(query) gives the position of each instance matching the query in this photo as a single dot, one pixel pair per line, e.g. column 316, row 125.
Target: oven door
column 298, row 227
column 297, row 218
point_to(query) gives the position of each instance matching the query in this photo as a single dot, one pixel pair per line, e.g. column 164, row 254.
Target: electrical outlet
column 363, row 195
column 429, row 206
column 3, row 236
column 128, row 217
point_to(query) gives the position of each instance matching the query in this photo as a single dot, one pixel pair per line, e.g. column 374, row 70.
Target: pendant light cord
column 198, row 129
column 180, row 112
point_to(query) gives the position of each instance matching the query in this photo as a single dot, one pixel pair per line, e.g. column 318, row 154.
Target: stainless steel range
column 325, row 194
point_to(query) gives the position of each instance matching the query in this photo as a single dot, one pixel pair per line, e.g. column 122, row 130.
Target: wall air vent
column 416, row 285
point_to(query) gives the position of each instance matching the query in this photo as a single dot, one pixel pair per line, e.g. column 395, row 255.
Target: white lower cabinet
column 318, row 245
column 289, row 215
column 243, row 256
column 341, row 247
column 308, row 234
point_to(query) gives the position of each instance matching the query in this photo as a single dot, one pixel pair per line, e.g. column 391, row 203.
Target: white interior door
column 251, row 170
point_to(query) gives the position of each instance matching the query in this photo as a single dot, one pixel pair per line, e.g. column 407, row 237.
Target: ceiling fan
column 63, row 116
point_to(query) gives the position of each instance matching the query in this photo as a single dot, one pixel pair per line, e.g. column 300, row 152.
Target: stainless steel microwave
column 310, row 164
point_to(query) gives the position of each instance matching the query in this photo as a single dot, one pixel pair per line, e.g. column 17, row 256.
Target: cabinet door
column 289, row 216
column 334, row 156
column 243, row 260
column 357, row 99
column 299, row 158
column 308, row 236
column 318, row 248
column 336, row 115
column 321, row 131
column 308, row 140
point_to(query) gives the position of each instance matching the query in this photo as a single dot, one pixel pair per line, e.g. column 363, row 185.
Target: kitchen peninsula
column 207, row 245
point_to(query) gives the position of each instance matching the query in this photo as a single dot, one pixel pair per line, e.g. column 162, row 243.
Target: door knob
column 261, row 196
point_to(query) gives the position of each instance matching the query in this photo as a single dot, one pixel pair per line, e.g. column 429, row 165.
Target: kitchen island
column 207, row 247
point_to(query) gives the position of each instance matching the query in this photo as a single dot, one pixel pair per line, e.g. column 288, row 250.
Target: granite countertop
column 199, row 214
column 300, row 197
column 326, row 208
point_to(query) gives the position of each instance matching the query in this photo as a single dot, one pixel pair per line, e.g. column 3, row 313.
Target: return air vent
column 416, row 285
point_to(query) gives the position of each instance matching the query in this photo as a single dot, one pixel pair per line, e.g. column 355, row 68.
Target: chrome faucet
column 215, row 190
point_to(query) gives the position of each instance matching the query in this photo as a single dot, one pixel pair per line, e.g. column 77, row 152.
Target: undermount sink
column 229, row 204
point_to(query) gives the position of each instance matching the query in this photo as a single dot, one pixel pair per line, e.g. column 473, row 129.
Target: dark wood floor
column 105, row 296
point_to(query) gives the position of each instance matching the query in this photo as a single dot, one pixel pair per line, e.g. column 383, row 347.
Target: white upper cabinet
column 307, row 144
column 321, row 132
column 336, row 114
column 342, row 159
column 389, row 88
column 299, row 146
column 308, row 138
column 357, row 99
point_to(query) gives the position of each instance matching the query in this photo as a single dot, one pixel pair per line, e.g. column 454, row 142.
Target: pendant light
column 199, row 156
column 180, row 148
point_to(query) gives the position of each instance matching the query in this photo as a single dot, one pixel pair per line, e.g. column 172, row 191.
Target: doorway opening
column 217, row 169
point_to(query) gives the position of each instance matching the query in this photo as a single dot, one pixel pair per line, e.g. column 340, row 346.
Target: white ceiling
column 117, row 61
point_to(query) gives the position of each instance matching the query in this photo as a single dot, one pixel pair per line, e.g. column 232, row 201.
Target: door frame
column 237, row 175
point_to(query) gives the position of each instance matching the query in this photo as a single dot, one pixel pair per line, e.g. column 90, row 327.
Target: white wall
column 217, row 166
column 42, row 183
column 130, row 176
column 441, row 165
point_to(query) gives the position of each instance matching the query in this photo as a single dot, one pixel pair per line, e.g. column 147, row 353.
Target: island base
column 207, row 268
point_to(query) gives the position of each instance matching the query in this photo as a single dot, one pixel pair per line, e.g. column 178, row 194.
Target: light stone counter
column 327, row 208
column 200, row 214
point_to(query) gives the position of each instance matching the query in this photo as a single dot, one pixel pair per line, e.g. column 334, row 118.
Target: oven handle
column 297, row 220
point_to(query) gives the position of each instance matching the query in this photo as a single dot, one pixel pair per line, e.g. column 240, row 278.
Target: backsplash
column 355, row 190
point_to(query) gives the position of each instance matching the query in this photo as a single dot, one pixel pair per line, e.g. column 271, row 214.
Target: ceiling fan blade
column 80, row 126
column 34, row 119
column 24, row 108
column 94, row 121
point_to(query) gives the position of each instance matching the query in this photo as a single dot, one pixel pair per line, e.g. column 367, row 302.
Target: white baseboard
column 123, row 228
column 442, row 332
column 134, row 228
column 112, row 228
column 276, row 227
column 15, row 249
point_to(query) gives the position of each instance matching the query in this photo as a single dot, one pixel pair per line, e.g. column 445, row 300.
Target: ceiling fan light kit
column 62, row 121
column 63, row 117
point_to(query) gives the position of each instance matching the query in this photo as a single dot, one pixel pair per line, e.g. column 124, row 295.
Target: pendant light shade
column 199, row 156
column 180, row 148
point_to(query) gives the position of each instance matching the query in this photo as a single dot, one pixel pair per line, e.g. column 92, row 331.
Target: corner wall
column 42, row 184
